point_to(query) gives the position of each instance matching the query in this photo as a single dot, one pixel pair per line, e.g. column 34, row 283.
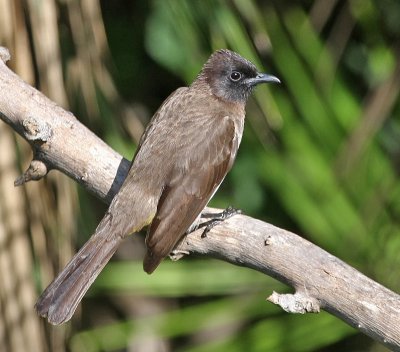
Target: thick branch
column 60, row 141
column 319, row 279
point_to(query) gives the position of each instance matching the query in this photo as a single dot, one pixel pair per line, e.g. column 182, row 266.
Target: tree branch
column 59, row 141
column 321, row 281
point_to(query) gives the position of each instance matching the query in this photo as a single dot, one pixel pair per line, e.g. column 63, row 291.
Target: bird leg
column 216, row 218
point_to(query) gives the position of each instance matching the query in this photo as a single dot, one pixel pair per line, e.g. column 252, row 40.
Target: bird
column 184, row 154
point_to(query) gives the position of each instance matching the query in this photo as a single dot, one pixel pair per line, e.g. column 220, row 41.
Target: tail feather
column 61, row 298
column 151, row 262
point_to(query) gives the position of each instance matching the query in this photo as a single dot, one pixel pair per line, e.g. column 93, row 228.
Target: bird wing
column 189, row 190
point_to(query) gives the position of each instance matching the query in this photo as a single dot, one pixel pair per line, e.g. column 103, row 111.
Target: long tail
column 61, row 298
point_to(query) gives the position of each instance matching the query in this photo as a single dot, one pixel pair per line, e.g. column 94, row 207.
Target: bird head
column 232, row 77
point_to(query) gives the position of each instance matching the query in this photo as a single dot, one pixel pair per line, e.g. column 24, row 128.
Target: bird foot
column 216, row 218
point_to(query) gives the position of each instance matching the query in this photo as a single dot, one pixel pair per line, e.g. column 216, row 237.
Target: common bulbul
column 184, row 154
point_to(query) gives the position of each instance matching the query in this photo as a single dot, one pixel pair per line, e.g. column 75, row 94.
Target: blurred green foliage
column 320, row 156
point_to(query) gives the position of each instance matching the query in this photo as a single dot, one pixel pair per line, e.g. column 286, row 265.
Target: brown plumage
column 183, row 156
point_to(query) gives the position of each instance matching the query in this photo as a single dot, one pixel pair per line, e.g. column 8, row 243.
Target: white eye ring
column 235, row 76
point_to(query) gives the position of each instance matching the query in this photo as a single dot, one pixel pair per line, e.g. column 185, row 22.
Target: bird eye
column 235, row 76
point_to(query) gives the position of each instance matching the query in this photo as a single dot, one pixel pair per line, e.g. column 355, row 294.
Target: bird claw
column 216, row 218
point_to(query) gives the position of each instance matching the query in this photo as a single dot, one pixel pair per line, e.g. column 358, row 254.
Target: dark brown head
column 231, row 77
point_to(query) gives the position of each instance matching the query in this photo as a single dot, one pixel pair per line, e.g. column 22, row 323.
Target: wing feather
column 189, row 190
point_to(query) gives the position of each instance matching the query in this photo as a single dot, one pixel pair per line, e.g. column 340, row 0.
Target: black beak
column 263, row 78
